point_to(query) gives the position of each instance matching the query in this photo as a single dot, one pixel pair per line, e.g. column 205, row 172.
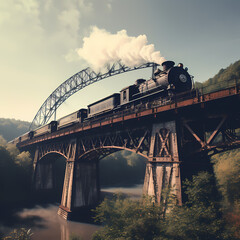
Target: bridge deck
column 174, row 106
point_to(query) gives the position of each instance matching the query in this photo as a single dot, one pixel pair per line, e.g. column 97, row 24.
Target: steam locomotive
column 172, row 80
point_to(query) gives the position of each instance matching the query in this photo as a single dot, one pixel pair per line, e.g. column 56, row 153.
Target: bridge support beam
column 162, row 176
column 66, row 203
column 81, row 183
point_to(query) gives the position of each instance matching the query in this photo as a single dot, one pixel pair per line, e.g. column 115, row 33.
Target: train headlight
column 183, row 78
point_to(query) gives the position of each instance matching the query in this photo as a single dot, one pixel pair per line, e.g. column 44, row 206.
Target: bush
column 19, row 234
column 127, row 219
column 199, row 218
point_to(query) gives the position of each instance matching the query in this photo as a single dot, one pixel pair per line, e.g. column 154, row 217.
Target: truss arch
column 74, row 84
column 51, row 153
column 101, row 152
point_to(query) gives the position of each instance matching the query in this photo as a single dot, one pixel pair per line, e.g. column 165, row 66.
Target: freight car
column 72, row 118
column 49, row 128
column 104, row 105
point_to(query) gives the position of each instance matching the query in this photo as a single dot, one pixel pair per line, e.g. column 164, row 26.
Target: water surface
column 46, row 224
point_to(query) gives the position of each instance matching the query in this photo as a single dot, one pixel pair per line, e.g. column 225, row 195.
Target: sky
column 44, row 42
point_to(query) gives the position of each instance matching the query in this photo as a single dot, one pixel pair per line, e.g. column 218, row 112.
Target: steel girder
column 74, row 84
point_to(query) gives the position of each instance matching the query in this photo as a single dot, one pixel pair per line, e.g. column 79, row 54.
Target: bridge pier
column 66, row 202
column 86, row 184
column 162, row 175
column 81, row 183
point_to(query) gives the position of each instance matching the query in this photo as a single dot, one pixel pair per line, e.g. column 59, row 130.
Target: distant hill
column 224, row 78
column 11, row 128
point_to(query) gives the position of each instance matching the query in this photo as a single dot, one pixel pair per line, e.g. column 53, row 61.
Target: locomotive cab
column 127, row 93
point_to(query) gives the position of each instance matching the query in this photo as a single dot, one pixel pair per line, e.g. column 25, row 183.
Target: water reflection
column 54, row 227
column 46, row 224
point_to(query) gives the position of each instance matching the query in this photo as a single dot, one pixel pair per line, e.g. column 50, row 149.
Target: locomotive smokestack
column 167, row 64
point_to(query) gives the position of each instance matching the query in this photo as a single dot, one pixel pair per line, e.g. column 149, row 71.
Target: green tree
column 15, row 175
column 200, row 218
column 224, row 78
column 127, row 219
column 227, row 170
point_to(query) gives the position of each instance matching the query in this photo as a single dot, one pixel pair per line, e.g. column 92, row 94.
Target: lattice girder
column 75, row 83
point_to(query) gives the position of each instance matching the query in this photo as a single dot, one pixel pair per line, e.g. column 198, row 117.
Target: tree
column 15, row 175
column 200, row 218
column 127, row 219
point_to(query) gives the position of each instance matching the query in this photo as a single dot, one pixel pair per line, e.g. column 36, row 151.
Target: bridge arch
column 104, row 151
column 86, row 183
column 49, row 176
column 74, row 84
column 50, row 153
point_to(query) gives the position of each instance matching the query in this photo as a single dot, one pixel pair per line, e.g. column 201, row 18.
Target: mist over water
column 46, row 224
column 52, row 226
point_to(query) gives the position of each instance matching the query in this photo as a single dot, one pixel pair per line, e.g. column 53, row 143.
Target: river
column 47, row 225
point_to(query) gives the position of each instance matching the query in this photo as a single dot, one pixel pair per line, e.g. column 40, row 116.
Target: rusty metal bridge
column 176, row 136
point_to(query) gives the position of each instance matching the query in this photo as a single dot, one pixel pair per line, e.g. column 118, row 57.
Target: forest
column 212, row 209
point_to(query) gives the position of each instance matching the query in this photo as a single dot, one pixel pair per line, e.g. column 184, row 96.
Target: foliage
column 223, row 79
column 15, row 175
column 19, row 234
column 227, row 169
column 127, row 219
column 199, row 218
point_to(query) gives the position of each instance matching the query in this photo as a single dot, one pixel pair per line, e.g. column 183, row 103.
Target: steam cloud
column 102, row 47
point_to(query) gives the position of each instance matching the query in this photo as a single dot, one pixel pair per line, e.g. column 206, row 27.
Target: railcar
column 21, row 138
column 104, row 105
column 72, row 118
column 49, row 128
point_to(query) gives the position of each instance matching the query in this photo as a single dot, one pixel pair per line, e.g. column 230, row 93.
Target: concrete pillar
column 162, row 176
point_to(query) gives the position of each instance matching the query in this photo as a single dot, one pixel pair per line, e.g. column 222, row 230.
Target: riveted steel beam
column 75, row 83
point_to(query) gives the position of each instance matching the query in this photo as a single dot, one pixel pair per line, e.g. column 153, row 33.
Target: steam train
column 164, row 83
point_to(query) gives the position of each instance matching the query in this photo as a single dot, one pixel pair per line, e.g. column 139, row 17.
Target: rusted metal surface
column 204, row 99
column 175, row 139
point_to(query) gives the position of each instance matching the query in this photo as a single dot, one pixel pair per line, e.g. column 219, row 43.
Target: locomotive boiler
column 175, row 78
column 171, row 80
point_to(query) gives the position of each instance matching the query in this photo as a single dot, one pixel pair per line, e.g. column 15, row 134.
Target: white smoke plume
column 102, row 47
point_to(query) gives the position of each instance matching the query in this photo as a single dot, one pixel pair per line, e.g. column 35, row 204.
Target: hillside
column 224, row 78
column 11, row 128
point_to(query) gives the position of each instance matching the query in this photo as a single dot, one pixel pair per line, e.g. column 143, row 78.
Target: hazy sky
column 39, row 40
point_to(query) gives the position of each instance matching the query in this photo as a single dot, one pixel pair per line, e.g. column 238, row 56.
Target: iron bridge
column 176, row 136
